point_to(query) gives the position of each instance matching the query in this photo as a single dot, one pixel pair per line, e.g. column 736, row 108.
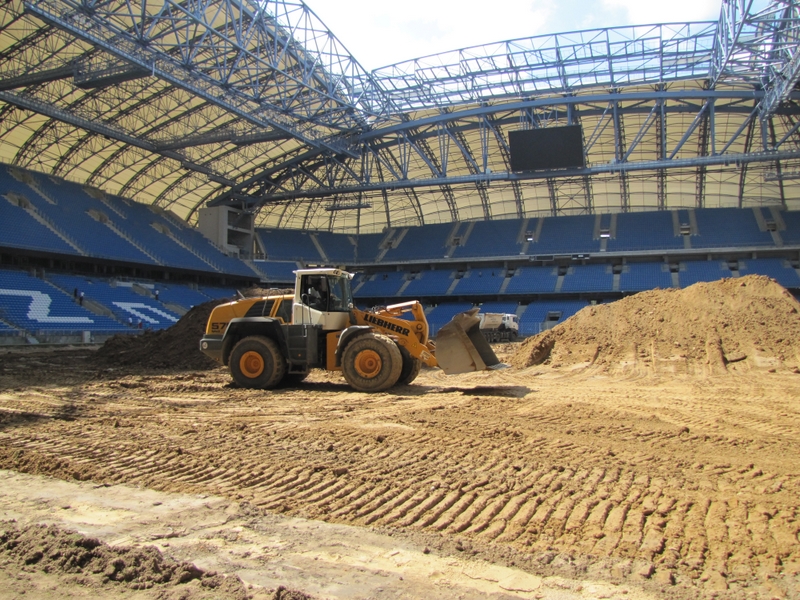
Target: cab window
column 327, row 293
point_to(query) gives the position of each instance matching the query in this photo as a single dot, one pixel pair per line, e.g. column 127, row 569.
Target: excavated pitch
column 684, row 484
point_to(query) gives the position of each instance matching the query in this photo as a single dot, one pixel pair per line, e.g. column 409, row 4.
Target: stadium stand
column 531, row 280
column 491, row 238
column 637, row 277
column 217, row 293
column 7, row 330
column 277, row 271
column 791, row 218
column 368, row 247
column 428, row 283
column 566, row 235
column 728, row 227
column 779, row 269
column 339, row 249
column 480, row 281
column 285, row 245
column 380, row 285
column 122, row 299
column 644, row 231
column 419, row 243
column 83, row 219
column 588, row 278
column 693, row 271
column 19, row 229
column 38, row 307
column 179, row 295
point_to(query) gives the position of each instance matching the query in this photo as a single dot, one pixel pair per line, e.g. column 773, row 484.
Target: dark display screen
column 550, row 148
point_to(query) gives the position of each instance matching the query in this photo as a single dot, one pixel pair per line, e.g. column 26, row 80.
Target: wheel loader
column 278, row 339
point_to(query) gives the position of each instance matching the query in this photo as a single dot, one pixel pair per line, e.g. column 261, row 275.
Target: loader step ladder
column 302, row 343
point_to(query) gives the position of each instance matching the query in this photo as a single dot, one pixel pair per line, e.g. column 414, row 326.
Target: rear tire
column 372, row 363
column 411, row 367
column 256, row 362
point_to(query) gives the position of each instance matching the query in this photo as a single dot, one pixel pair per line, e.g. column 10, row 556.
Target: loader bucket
column 461, row 347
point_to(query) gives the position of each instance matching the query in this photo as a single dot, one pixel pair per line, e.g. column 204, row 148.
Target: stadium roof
column 258, row 105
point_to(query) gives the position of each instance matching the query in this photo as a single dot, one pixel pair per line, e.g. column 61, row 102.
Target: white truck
column 499, row 327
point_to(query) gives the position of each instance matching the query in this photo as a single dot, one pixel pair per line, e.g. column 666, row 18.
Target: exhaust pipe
column 461, row 347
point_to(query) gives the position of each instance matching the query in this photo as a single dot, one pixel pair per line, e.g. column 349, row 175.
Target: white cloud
column 643, row 12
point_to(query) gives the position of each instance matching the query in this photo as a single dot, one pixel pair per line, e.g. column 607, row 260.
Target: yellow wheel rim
column 251, row 364
column 368, row 364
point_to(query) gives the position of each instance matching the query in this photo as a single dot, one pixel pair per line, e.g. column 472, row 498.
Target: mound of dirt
column 707, row 328
column 55, row 551
column 173, row 348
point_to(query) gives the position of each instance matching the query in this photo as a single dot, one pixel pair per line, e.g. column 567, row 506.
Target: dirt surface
column 654, row 446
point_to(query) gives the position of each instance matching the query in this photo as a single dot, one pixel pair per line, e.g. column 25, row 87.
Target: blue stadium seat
column 368, row 247
column 638, row 277
column 288, row 245
column 428, row 283
column 531, row 280
column 128, row 307
column 566, row 235
column 18, row 229
column 589, row 278
column 37, row 306
column 644, row 231
column 381, row 285
column 277, row 271
column 728, row 228
column 480, row 281
column 339, row 247
column 792, row 220
column 491, row 238
column 777, row 268
column 702, row 270
column 421, row 243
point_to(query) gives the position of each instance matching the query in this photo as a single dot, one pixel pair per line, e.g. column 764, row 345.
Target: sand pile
column 732, row 324
column 52, row 550
column 176, row 347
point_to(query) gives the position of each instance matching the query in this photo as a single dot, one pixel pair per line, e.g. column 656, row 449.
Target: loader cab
column 322, row 297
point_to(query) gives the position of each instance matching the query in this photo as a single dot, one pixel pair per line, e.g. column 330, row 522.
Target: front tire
column 256, row 362
column 372, row 363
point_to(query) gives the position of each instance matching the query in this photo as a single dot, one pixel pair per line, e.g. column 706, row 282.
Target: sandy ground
column 644, row 449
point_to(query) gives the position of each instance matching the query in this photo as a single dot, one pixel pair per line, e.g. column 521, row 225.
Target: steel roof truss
column 71, row 18
column 697, row 120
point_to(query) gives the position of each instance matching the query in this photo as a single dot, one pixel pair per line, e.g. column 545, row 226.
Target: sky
column 379, row 33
